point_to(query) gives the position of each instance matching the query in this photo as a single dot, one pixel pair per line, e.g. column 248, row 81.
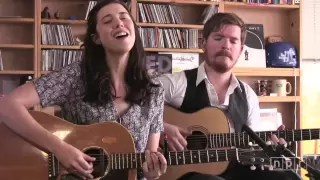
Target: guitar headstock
column 253, row 157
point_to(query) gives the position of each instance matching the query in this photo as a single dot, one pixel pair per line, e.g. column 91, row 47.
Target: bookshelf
column 18, row 50
column 22, row 48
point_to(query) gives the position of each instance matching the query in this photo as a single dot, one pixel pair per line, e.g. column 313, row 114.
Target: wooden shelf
column 64, row 21
column 190, row 26
column 59, row 47
column 261, row 5
column 275, row 72
column 173, row 50
column 17, row 46
column 16, row 20
column 16, row 72
column 279, row 98
column 180, row 2
column 45, row 72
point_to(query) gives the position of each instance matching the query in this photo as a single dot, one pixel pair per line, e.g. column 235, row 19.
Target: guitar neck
column 125, row 161
column 292, row 135
column 239, row 139
column 135, row 160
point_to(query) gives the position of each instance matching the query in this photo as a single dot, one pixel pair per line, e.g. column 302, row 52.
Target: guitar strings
column 225, row 140
column 234, row 138
column 306, row 133
column 196, row 154
column 222, row 141
column 186, row 153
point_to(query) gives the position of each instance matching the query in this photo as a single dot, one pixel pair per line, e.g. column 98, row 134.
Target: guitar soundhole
column 198, row 140
column 100, row 165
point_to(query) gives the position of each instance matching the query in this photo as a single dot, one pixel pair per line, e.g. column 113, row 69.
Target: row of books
column 61, row 34
column 158, row 13
column 169, row 14
column 170, row 38
column 91, row 4
column 54, row 59
column 208, row 12
column 289, row 2
column 57, row 34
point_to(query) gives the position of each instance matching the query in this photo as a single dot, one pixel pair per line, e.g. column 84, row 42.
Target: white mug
column 281, row 87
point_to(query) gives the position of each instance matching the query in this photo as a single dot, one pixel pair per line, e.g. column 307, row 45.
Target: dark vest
column 196, row 98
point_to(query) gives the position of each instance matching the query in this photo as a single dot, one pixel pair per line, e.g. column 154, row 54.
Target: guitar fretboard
column 135, row 160
column 239, row 139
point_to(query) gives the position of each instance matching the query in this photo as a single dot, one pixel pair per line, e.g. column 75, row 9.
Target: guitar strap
column 196, row 98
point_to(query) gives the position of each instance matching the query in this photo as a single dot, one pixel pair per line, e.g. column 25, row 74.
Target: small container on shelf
column 262, row 87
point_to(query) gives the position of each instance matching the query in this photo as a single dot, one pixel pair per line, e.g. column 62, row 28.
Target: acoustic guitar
column 210, row 129
column 109, row 142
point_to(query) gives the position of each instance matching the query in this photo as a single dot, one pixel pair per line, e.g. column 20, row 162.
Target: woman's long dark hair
column 96, row 73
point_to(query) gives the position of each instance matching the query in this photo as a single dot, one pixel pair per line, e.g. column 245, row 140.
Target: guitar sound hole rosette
column 101, row 164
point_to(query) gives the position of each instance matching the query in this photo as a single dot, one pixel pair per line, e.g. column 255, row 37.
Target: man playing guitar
column 214, row 84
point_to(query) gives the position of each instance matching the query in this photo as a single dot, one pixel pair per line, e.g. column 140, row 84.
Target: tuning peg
column 253, row 167
column 251, row 146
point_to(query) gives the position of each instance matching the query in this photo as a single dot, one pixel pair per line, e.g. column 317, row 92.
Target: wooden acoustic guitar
column 109, row 142
column 210, row 129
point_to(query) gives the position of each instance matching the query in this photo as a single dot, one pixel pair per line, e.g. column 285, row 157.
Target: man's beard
column 220, row 66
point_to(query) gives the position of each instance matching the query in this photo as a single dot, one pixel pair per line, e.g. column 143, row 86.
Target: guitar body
column 21, row 160
column 205, row 121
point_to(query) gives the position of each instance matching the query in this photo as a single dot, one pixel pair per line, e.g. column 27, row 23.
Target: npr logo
column 284, row 163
